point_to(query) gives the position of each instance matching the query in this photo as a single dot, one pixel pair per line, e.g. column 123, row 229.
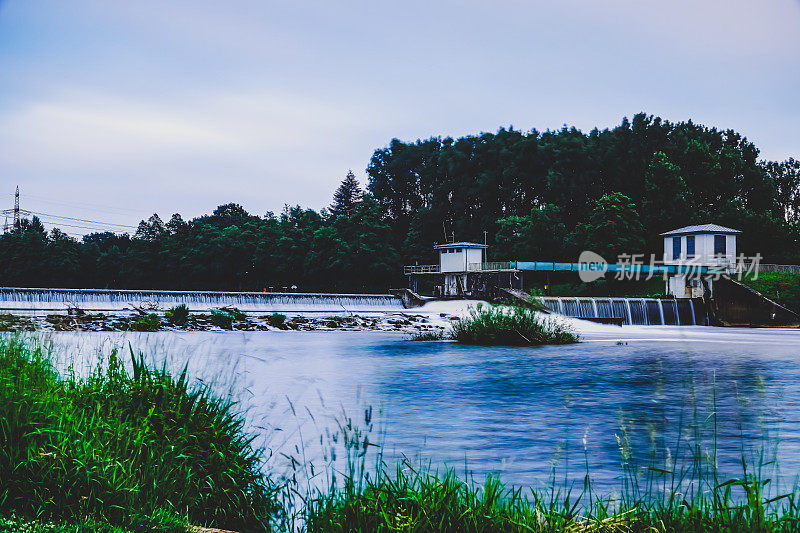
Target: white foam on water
column 120, row 300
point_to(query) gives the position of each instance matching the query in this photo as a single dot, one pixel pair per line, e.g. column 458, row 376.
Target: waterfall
column 97, row 300
column 638, row 311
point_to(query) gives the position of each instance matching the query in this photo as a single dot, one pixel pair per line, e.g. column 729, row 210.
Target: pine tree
column 346, row 196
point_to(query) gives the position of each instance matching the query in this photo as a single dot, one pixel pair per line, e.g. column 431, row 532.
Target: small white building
column 457, row 256
column 455, row 259
column 706, row 245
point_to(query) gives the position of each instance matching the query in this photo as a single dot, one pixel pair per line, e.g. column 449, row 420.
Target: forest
column 536, row 195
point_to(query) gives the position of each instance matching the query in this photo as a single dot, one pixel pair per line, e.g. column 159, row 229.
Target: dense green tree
column 613, row 229
column 539, row 195
column 538, row 236
column 785, row 178
column 347, row 194
column 667, row 202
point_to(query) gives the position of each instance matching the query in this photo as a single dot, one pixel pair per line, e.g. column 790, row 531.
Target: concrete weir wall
column 734, row 304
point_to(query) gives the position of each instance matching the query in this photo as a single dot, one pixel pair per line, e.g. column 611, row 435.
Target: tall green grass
column 509, row 325
column 690, row 497
column 120, row 446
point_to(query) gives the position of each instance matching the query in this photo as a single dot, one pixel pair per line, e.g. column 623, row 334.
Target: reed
column 693, row 499
column 506, row 325
column 139, row 449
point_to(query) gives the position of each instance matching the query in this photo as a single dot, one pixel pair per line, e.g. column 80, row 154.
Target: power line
column 59, row 223
column 84, row 220
column 98, row 226
column 91, row 207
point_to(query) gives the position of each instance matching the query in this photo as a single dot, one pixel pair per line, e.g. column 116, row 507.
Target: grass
column 685, row 493
column 142, row 450
column 509, row 326
column 781, row 287
column 177, row 315
column 148, row 322
column 420, row 500
column 429, row 335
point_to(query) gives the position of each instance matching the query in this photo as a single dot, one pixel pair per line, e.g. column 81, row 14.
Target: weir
column 110, row 300
column 632, row 311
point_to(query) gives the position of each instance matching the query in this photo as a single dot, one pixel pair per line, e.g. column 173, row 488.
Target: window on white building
column 719, row 245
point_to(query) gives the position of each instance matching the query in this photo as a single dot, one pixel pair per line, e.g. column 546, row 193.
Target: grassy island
column 510, row 325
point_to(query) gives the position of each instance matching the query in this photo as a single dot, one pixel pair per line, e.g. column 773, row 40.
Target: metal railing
column 507, row 265
column 787, row 269
column 492, row 265
column 420, row 269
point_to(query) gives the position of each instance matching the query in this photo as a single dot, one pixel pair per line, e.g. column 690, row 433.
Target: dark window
column 458, row 250
column 676, row 248
column 719, row 245
column 689, row 246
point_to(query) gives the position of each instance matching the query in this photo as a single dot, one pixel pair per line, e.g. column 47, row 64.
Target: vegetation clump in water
column 148, row 322
column 277, row 320
column 177, row 315
column 428, row 335
column 224, row 318
column 502, row 325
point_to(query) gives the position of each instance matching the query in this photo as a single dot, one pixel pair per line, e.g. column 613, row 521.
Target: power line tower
column 16, row 212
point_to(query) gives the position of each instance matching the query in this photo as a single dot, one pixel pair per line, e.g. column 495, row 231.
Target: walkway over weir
column 549, row 266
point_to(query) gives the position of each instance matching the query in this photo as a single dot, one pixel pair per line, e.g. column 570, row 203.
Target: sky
column 112, row 111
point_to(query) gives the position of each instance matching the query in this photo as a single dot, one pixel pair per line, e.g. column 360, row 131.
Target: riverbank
column 56, row 450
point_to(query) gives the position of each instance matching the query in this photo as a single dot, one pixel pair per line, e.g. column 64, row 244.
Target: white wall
column 459, row 261
column 703, row 250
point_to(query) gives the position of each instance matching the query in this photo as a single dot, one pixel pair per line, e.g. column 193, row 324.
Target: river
column 522, row 413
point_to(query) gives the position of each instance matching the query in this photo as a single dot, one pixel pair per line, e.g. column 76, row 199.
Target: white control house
column 708, row 245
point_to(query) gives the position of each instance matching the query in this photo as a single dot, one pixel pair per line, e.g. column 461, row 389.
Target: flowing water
column 638, row 311
column 118, row 300
column 520, row 412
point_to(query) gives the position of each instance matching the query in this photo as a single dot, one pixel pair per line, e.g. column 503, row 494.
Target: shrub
column 235, row 313
column 509, row 326
column 149, row 322
column 222, row 319
column 177, row 315
column 277, row 320
column 130, row 449
column 226, row 316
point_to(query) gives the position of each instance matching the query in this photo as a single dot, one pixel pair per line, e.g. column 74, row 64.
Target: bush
column 277, row 320
column 509, row 326
column 178, row 315
column 226, row 316
column 133, row 449
column 149, row 322
column 222, row 319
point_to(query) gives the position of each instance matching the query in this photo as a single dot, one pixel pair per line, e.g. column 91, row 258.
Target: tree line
column 537, row 195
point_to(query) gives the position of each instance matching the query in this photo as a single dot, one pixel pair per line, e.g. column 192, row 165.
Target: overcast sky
column 110, row 111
